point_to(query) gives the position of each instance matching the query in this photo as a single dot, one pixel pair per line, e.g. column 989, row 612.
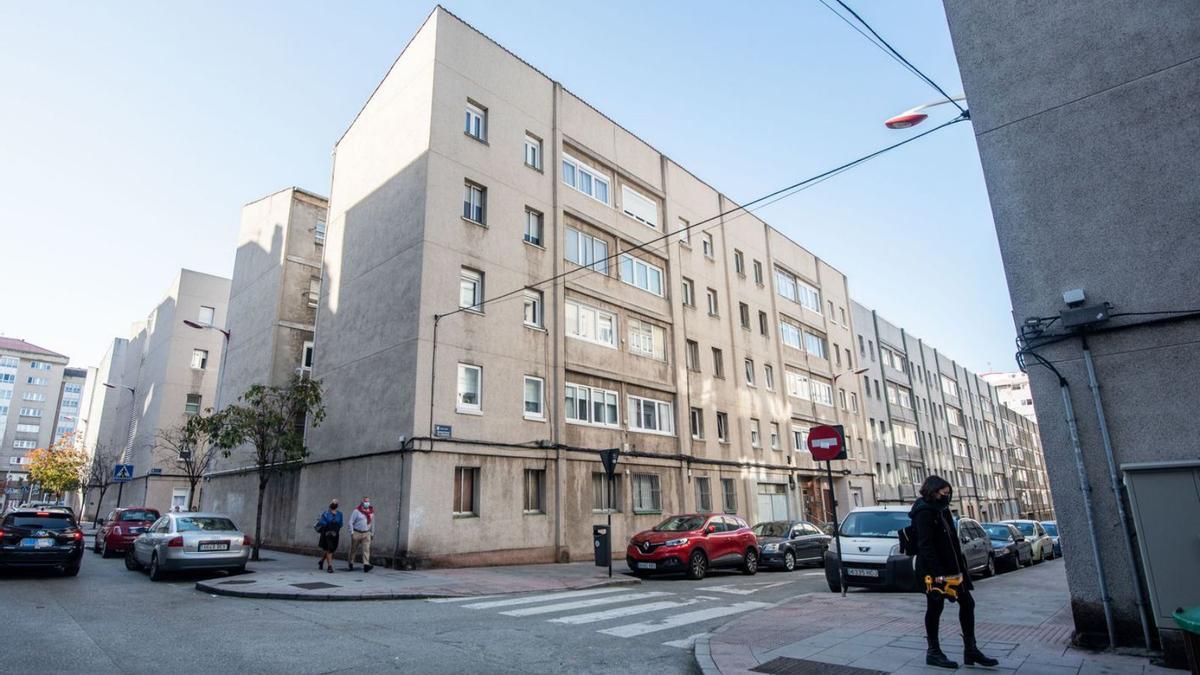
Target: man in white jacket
column 362, row 529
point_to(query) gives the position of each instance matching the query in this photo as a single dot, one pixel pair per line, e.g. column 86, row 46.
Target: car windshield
column 1051, row 529
column 998, row 531
column 204, row 524
column 776, row 528
column 140, row 515
column 679, row 524
column 875, row 524
column 42, row 521
column 1025, row 528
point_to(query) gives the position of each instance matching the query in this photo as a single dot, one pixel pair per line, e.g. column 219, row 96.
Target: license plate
column 647, row 566
column 214, row 546
column 860, row 572
column 34, row 542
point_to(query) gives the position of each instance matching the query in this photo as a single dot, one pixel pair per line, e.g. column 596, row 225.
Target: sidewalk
column 286, row 576
column 1022, row 618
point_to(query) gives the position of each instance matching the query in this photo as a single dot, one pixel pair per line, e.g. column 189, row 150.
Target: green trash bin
column 1189, row 621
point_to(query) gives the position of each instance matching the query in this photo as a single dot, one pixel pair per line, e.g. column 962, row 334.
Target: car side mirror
column 710, row 529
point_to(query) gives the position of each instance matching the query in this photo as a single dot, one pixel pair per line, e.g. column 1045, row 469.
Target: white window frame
column 685, row 234
column 689, row 292
column 533, row 151
column 822, row 392
column 696, row 423
column 791, row 334
column 467, row 275
column 475, row 121
column 608, row 399
column 663, row 412
column 739, row 262
column 775, row 440
column 535, row 227
column 800, row 437
column 585, row 253
column 647, row 339
column 692, row 355
column 581, row 312
column 769, row 376
column 571, row 178
column 540, row 414
column 632, row 269
column 646, row 485
column 816, row 345
column 458, row 493
column 187, row 403
column 639, row 207
column 755, row 434
column 212, row 315
column 793, row 288
column 319, row 231
column 460, row 405
column 306, row 357
column 30, row 412
column 706, row 244
column 748, row 368
column 536, row 300
column 758, row 272
column 710, row 296
column 722, row 426
column 314, row 291
column 474, row 210
column 534, row 492
column 200, row 355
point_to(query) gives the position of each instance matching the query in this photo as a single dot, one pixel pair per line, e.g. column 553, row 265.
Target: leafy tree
column 191, row 448
column 271, row 420
column 60, row 468
column 100, row 473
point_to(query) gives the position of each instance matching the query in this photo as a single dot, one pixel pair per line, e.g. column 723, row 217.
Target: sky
column 132, row 133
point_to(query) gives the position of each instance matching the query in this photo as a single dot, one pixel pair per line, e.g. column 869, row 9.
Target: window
column 685, row 234
column 796, row 290
column 892, row 358
column 853, row 402
column 758, row 272
column 703, row 495
column 689, row 292
column 470, row 388
column 474, row 202
column 842, row 398
column 749, row 367
column 8, row 377
column 949, row 386
column 31, row 412
column 466, row 491
column 39, row 365
column 877, row 396
column 533, row 151
column 797, row 384
column 192, row 406
column 207, row 314
column 535, row 489
column 842, row 314
column 897, row 395
column 535, row 390
column 639, row 273
column 470, row 289
column 314, row 291
column 711, row 294
column 744, row 315
column 585, row 179
column 587, row 251
column 306, row 358
column 904, row 434
column 814, row 343
column 32, row 396
column 799, row 438
column 533, row 226
column 476, row 122
column 199, row 359
column 722, row 427
column 755, row 434
column 533, row 309
column 22, row 445
column 837, row 356
column 762, row 324
column 647, row 414
column 774, row 436
column 696, row 416
column 639, row 207
column 36, row 381
column 29, row 428
column 319, row 232
column 9, row 362
column 739, row 263
column 718, row 363
column 831, row 310
column 591, row 405
column 646, row 339
column 862, row 347
column 822, row 392
column 602, row 499
column 590, row 324
column 645, row 493
column 729, row 491
column 953, row 415
column 871, row 348
column 790, row 333
column 706, row 244
column 769, row 377
column 692, row 354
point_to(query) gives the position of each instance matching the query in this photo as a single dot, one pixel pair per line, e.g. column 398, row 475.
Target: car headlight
column 770, row 548
column 895, row 550
column 676, row 542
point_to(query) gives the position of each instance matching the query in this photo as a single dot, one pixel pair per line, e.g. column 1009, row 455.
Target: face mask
column 944, row 499
column 333, row 507
column 366, row 505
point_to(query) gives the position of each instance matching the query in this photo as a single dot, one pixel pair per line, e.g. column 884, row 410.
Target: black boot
column 973, row 657
column 934, row 656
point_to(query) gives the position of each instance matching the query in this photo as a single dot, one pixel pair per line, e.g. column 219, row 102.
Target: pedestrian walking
column 362, row 529
column 943, row 568
column 329, row 528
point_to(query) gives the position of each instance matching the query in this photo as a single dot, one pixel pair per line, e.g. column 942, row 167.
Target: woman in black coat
column 940, row 556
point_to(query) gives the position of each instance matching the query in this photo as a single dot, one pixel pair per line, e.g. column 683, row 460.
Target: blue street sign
column 122, row 473
column 441, row 431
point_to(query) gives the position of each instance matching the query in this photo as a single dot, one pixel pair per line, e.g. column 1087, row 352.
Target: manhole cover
column 787, row 666
column 233, row 582
column 315, row 585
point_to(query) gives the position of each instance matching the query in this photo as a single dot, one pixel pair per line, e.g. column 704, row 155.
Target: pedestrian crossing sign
column 122, row 473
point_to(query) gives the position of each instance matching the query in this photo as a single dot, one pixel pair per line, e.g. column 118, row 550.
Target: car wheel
column 990, row 570
column 835, row 585
column 96, row 543
column 1050, row 554
column 131, row 562
column 156, row 570
column 750, row 562
column 71, row 570
column 104, row 552
column 697, row 565
column 789, row 561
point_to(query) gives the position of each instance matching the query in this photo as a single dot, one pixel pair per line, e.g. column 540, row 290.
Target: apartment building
column 31, row 379
column 70, row 400
column 1013, row 391
column 1030, row 481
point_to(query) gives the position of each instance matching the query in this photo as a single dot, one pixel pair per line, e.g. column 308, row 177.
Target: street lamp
column 129, row 440
column 914, row 116
column 224, row 350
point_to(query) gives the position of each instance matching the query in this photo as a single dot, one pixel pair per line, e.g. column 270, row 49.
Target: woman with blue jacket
column 329, row 528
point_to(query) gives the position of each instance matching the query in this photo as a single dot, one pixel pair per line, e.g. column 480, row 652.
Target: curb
column 704, row 658
column 215, row 587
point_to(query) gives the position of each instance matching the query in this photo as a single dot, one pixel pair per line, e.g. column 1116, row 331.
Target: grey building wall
column 1083, row 118
column 30, row 385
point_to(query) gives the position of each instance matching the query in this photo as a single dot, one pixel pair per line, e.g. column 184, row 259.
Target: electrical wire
column 870, row 39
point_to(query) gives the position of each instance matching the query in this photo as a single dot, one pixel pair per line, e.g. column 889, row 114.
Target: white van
column 869, row 539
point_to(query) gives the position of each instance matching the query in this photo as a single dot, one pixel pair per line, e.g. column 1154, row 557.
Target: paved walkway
column 1023, row 618
column 285, row 576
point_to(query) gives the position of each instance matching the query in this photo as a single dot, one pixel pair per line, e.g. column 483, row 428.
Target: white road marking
column 732, row 590
column 781, row 583
column 685, row 643
column 635, row 629
column 529, row 600
column 814, row 574
column 463, row 598
column 581, row 604
column 631, row 610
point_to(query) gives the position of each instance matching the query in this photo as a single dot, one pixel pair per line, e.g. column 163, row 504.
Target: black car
column 787, row 543
column 1011, row 549
column 47, row 539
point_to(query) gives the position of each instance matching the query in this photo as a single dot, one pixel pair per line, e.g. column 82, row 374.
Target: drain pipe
column 1118, row 489
column 1085, row 488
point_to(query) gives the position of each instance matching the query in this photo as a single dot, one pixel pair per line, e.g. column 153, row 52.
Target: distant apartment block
column 1014, row 392
column 31, row 381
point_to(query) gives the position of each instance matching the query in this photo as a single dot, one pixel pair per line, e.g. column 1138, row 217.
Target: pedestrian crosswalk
column 644, row 612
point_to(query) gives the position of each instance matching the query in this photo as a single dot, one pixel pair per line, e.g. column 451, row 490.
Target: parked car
column 787, row 543
column 117, row 532
column 693, row 544
column 1035, row 534
column 870, row 544
column 1011, row 549
column 37, row 538
column 46, row 506
column 976, row 547
column 1051, row 528
column 189, row 541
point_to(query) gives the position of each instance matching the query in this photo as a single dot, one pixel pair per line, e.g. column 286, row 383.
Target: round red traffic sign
column 825, row 442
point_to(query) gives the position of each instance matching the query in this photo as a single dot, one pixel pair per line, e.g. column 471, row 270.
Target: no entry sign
column 826, row 443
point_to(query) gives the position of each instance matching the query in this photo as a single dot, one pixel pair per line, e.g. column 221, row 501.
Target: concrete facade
column 70, row 403
column 31, row 380
column 1014, row 392
column 1090, row 169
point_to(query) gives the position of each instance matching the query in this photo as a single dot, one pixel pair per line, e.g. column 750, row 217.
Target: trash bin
column 1189, row 621
column 600, row 544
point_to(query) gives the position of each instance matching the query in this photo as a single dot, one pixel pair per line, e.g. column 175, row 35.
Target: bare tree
column 100, row 474
column 190, row 448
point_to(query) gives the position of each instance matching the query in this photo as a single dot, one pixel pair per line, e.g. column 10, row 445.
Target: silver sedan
column 189, row 541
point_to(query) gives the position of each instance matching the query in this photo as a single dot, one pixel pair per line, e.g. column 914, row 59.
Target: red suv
column 692, row 544
column 116, row 534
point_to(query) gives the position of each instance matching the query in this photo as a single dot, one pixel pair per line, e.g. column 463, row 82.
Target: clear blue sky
column 133, row 132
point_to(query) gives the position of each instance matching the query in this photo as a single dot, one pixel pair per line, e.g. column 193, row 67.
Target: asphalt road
column 111, row 620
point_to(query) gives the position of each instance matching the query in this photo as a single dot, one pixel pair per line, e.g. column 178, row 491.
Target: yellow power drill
column 947, row 586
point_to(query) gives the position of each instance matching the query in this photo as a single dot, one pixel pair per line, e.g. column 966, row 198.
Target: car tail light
column 78, row 535
column 177, row 542
column 43, row 513
column 247, row 541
